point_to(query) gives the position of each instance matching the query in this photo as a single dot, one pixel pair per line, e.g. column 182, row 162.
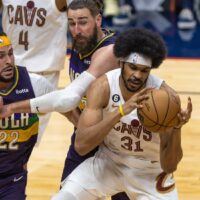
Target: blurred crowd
column 123, row 12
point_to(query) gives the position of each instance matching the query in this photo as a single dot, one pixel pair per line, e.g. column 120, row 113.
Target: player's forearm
column 20, row 107
column 89, row 138
column 171, row 153
column 63, row 100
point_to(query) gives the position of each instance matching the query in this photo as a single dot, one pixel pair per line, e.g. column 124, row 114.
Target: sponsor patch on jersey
column 22, row 91
column 87, row 61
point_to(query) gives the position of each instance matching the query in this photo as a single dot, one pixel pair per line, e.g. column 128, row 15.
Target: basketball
column 159, row 111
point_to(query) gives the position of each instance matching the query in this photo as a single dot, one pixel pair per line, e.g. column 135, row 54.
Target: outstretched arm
column 67, row 99
column 60, row 100
column 170, row 146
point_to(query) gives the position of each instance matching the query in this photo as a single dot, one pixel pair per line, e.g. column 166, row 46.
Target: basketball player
column 38, row 32
column 130, row 158
column 91, row 56
column 18, row 133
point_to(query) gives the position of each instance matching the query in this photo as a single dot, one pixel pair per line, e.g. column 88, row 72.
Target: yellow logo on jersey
column 82, row 103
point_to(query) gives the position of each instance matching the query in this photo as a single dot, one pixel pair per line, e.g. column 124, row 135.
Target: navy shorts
column 13, row 187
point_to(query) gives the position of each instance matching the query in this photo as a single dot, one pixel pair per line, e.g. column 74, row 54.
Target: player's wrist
column 177, row 127
column 121, row 110
column 11, row 108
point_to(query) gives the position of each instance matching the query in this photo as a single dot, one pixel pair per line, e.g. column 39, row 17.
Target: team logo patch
column 135, row 58
column 116, row 98
column 1, row 41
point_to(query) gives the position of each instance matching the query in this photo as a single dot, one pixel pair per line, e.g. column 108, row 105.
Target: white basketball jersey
column 37, row 30
column 128, row 138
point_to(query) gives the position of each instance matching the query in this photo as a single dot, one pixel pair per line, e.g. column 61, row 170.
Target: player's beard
column 6, row 80
column 139, row 83
column 84, row 44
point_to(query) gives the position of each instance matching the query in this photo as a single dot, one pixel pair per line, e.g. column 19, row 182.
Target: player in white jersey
column 37, row 30
column 130, row 158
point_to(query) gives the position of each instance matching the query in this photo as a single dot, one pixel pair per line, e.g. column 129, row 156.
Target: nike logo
column 17, row 179
column 37, row 108
column 114, row 105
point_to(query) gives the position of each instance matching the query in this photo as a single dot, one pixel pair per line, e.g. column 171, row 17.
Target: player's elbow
column 81, row 148
column 66, row 103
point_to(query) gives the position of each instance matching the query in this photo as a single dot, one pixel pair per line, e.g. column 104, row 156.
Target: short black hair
column 141, row 40
column 94, row 6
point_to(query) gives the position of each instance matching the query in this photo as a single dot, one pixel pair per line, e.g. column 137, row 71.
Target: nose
column 138, row 74
column 77, row 30
column 8, row 59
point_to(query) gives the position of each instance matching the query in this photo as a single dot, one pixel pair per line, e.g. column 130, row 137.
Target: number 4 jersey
column 37, row 30
column 18, row 133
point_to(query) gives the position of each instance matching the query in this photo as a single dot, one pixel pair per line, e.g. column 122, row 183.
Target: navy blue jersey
column 18, row 133
column 78, row 64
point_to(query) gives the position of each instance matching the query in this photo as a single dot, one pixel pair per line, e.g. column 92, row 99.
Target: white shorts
column 103, row 177
column 53, row 78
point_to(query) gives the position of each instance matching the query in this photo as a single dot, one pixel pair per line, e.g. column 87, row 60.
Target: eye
column 83, row 22
column 145, row 71
column 71, row 24
column 133, row 67
column 1, row 56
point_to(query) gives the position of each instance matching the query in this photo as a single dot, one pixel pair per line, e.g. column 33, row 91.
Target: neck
column 100, row 35
column 4, row 86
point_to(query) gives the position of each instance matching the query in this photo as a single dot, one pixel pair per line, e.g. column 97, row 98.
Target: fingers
column 145, row 91
column 185, row 115
column 189, row 105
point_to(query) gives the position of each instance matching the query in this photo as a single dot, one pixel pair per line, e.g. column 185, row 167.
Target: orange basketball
column 159, row 111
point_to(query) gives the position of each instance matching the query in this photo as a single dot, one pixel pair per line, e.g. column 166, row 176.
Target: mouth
column 135, row 83
column 7, row 72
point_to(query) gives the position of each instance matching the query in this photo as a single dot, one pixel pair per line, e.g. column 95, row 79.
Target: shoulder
column 103, row 54
column 104, row 50
column 99, row 91
column 154, row 81
column 102, row 61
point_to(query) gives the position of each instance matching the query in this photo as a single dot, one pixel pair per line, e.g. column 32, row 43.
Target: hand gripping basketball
column 159, row 111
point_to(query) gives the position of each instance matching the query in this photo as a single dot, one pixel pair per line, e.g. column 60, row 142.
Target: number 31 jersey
column 128, row 137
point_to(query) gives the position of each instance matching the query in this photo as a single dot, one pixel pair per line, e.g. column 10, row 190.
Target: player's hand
column 136, row 101
column 185, row 115
column 5, row 110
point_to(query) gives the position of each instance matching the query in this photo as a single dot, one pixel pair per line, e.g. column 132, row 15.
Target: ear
column 98, row 20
